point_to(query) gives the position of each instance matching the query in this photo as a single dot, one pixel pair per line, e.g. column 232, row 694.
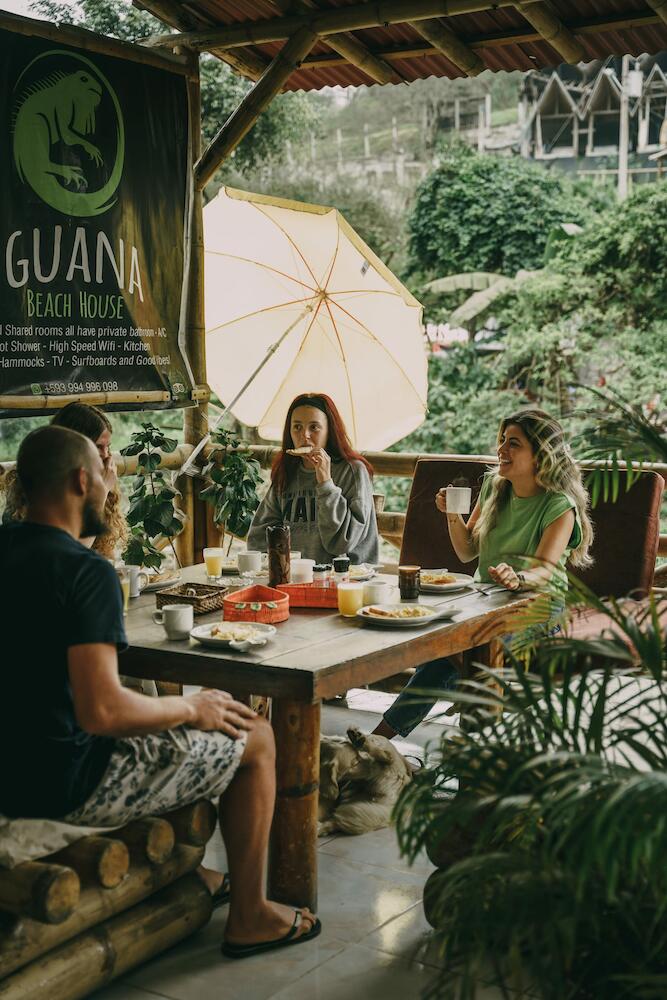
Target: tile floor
column 371, row 911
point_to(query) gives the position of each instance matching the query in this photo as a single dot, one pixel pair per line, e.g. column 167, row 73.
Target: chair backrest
column 626, row 531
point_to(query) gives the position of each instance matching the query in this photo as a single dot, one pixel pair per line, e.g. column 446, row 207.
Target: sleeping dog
column 361, row 778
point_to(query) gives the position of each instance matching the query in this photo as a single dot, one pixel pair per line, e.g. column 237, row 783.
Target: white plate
column 154, row 585
column 462, row 581
column 362, row 573
column 202, row 633
column 436, row 613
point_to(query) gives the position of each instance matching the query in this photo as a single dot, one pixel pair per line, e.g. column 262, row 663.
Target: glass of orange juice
column 124, row 579
column 213, row 559
column 350, row 598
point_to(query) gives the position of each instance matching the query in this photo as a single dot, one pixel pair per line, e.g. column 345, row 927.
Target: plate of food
column 403, row 615
column 362, row 573
column 441, row 581
column 233, row 634
column 159, row 581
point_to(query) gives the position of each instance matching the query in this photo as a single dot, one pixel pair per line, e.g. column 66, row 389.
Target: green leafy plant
column 151, row 513
column 548, row 822
column 233, row 489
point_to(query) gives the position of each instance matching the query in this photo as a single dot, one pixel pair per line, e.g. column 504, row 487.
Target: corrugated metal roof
column 502, row 37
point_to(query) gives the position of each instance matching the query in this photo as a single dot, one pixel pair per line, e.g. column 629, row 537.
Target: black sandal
column 246, row 950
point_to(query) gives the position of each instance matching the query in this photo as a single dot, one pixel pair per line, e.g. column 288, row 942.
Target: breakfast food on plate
column 165, row 577
column 408, row 611
column 235, row 632
column 305, row 450
column 358, row 572
column 437, row 579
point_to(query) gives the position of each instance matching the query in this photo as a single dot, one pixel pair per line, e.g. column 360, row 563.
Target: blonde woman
column 95, row 425
column 533, row 504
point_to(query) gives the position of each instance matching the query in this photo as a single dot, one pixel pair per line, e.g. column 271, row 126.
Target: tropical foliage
column 151, row 514
column 232, row 492
column 548, row 822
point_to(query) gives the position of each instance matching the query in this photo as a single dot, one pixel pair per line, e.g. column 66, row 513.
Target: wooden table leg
column 293, row 848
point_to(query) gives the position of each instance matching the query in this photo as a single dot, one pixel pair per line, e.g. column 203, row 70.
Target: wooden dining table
column 316, row 654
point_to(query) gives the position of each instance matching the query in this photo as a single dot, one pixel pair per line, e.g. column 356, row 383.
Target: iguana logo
column 61, row 109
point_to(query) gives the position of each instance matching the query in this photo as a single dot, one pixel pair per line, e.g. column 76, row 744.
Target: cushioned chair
column 626, row 531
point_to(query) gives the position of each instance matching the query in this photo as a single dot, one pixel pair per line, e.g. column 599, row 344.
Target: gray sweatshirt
column 325, row 519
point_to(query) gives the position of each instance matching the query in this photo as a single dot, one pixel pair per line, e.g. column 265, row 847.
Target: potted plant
column 151, row 513
column 233, row 488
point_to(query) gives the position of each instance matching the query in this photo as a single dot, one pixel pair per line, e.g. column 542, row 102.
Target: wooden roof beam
column 660, row 7
column 552, row 29
column 327, row 22
column 447, row 42
column 346, row 45
column 246, row 114
column 246, row 62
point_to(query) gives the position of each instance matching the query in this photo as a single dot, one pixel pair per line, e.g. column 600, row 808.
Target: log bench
column 75, row 920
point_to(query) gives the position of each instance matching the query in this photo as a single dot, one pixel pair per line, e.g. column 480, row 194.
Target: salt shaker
column 278, row 546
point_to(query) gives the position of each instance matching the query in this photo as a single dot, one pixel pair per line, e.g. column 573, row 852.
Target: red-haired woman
column 325, row 495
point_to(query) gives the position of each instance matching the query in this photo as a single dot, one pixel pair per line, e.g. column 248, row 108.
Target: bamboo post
column 78, row 968
column 42, row 891
column 100, row 861
column 246, row 114
column 194, row 824
column 151, row 838
column 446, row 41
column 27, row 939
column 293, row 848
column 184, row 542
column 552, row 29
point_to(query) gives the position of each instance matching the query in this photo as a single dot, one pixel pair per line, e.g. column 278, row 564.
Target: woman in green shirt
column 534, row 504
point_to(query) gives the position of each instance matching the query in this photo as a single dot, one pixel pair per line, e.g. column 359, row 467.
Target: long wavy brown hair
column 90, row 422
column 338, row 445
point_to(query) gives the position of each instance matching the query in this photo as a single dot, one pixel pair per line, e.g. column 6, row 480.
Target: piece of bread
column 306, row 450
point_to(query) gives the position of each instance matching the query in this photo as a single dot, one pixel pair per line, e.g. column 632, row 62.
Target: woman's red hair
column 338, row 446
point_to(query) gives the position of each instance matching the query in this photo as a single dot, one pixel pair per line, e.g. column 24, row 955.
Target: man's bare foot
column 212, row 880
column 272, row 922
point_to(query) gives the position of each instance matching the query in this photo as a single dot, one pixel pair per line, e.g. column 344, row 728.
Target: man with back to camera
column 83, row 749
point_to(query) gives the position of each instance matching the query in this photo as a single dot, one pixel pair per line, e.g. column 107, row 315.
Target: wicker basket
column 204, row 599
column 256, row 604
column 310, row 595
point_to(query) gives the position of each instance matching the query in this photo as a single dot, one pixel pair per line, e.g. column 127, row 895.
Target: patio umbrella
column 297, row 302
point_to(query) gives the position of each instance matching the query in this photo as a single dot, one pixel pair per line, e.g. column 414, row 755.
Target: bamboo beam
column 447, row 42
column 90, row 41
column 99, row 861
column 479, row 43
column 347, row 45
column 552, row 29
column 660, row 7
column 45, row 892
column 244, row 117
column 92, row 398
column 326, row 22
column 246, row 62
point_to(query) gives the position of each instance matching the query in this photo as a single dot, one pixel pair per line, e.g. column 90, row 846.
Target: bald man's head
column 48, row 466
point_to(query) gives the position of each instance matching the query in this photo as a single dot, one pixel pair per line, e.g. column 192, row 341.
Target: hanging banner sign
column 93, row 192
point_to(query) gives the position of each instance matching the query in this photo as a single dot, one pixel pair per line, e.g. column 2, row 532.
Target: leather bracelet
column 522, row 580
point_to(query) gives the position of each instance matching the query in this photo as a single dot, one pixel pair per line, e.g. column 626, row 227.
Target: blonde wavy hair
column 556, row 472
column 90, row 422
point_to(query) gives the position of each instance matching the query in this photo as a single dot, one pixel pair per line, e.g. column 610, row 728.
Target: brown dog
column 361, row 778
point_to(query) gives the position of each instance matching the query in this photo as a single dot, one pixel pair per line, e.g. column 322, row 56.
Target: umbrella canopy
column 354, row 331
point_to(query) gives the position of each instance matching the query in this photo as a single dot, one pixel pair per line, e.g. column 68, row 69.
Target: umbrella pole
column 187, row 467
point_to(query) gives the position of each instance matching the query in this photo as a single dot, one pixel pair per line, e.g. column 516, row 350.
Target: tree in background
column 476, row 212
column 288, row 117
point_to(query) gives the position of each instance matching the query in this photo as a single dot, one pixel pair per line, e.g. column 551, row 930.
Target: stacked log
column 68, row 922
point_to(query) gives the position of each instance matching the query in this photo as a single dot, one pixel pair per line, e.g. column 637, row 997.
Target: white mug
column 176, row 619
column 138, row 580
column 250, row 562
column 458, row 499
column 377, row 591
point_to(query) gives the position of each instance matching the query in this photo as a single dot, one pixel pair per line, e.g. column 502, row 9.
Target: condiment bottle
column 278, row 546
column 341, row 567
column 321, row 574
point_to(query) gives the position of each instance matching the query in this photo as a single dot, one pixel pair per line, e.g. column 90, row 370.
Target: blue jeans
column 411, row 707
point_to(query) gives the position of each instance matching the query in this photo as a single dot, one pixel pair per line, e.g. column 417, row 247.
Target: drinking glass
column 350, row 598
column 213, row 559
column 408, row 582
column 124, row 580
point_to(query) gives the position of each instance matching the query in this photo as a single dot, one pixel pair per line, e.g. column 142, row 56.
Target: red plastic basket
column 256, row 604
column 310, row 595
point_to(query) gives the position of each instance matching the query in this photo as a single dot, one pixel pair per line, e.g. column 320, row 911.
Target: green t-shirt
column 520, row 524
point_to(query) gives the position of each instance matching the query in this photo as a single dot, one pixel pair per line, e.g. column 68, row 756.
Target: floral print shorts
column 148, row 775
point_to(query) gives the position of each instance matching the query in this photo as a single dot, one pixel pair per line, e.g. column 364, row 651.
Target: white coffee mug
column 377, row 591
column 176, row 619
column 250, row 562
column 138, row 580
column 458, row 499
